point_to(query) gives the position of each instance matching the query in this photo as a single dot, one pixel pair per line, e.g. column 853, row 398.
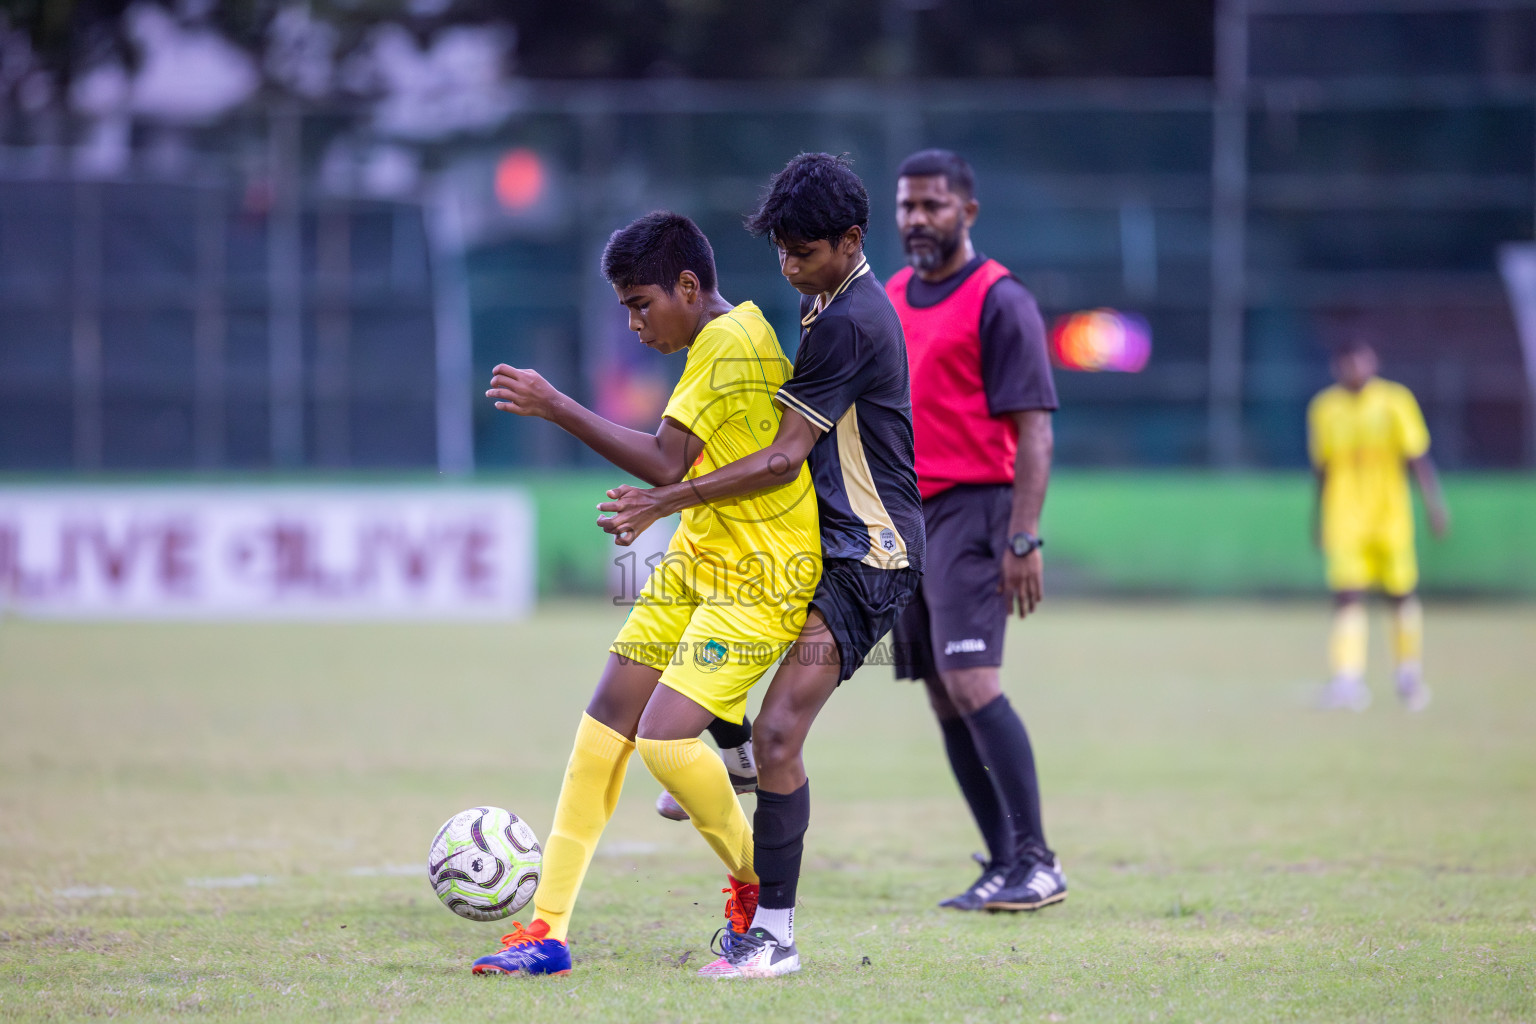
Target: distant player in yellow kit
column 1364, row 434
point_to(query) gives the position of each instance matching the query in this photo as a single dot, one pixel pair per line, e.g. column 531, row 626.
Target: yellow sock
column 698, row 781
column 1346, row 644
column 593, row 780
column 1408, row 632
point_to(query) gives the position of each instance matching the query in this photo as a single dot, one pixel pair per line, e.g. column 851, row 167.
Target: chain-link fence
column 291, row 290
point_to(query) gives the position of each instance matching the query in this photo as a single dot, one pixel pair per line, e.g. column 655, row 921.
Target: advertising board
column 244, row 552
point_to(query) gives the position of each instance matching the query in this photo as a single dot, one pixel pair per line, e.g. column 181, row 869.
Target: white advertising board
column 244, row 552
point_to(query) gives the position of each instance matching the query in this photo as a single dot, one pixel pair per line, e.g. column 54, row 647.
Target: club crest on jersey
column 710, row 655
column 888, row 539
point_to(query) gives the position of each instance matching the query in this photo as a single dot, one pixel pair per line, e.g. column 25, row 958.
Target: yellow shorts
column 709, row 653
column 1391, row 568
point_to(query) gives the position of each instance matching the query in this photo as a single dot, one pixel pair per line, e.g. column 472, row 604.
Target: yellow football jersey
column 1363, row 441
column 759, row 553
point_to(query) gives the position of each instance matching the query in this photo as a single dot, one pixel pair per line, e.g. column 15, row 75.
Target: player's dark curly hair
column 656, row 249
column 934, row 162
column 816, row 196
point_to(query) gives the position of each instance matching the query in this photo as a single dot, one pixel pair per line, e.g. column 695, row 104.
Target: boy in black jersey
column 848, row 410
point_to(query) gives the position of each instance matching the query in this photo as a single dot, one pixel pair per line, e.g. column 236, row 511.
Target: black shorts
column 860, row 604
column 958, row 619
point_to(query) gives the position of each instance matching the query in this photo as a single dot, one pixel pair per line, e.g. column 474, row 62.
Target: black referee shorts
column 860, row 603
column 957, row 618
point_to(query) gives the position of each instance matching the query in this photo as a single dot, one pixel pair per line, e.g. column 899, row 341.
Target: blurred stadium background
column 246, row 240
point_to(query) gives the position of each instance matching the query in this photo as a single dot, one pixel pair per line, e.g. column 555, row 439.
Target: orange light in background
column 1101, row 339
column 519, row 179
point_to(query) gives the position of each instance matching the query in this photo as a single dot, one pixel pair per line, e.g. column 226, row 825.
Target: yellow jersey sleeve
column 1319, row 444
column 698, row 404
column 1408, row 424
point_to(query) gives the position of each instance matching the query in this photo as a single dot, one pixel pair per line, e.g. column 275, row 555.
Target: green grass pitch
column 231, row 822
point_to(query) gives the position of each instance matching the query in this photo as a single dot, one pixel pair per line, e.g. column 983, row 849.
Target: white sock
column 739, row 760
column 780, row 923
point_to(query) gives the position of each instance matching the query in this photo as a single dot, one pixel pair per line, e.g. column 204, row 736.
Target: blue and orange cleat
column 527, row 951
column 740, row 906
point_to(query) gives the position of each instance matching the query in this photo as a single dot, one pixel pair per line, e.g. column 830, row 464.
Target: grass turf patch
column 232, row 821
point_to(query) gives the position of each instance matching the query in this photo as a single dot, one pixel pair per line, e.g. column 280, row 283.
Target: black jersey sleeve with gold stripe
column 829, row 375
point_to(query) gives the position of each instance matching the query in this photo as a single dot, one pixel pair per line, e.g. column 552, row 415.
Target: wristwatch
column 1023, row 542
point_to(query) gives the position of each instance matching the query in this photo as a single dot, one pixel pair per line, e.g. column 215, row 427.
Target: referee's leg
column 1003, row 744
column 977, row 784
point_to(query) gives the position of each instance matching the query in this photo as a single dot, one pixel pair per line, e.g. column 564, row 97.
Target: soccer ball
column 484, row 863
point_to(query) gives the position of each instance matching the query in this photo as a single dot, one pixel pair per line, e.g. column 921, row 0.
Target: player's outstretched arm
column 630, row 510
column 1434, row 499
column 660, row 458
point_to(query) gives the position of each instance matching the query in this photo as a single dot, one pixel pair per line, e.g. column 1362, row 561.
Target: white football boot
column 757, row 954
column 1344, row 693
column 1411, row 690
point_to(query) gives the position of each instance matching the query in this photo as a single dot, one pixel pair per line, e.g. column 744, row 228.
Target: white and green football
column 484, row 863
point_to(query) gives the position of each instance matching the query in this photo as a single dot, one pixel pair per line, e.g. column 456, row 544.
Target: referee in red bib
column 982, row 397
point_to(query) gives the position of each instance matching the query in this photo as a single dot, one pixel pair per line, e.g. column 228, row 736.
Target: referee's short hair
column 933, row 162
column 815, row 197
column 656, row 249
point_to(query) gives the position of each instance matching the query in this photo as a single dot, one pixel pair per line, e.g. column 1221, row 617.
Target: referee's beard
column 932, row 250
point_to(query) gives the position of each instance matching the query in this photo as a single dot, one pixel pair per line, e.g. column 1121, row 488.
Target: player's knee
column 614, row 713
column 972, row 701
column 775, row 742
column 970, row 690
column 938, row 699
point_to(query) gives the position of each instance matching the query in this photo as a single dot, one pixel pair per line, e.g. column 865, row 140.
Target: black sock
column 778, row 833
column 728, row 734
column 1003, row 745
column 976, row 785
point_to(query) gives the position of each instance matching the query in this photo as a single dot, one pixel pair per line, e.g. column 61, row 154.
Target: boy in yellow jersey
column 1364, row 434
column 726, row 600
